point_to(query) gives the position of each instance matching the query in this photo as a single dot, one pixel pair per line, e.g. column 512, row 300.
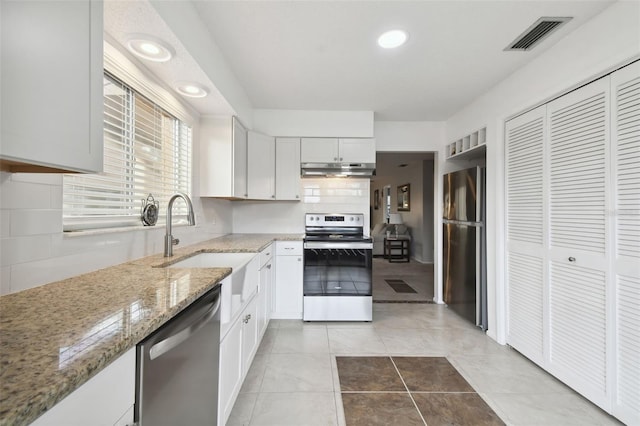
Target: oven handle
column 338, row 245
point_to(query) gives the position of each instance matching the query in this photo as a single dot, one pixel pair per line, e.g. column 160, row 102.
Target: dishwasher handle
column 176, row 339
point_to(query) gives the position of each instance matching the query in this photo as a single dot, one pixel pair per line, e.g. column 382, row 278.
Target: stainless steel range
column 337, row 268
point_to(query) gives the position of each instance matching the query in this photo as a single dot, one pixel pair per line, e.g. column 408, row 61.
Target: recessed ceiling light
column 149, row 48
column 192, row 90
column 392, row 39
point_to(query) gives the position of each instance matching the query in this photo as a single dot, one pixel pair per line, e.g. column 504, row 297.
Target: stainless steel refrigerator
column 464, row 241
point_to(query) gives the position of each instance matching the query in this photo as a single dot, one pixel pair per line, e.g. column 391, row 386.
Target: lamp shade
column 395, row 219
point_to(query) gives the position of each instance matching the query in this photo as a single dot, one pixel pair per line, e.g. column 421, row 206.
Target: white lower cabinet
column 265, row 303
column 288, row 285
column 104, row 400
column 241, row 339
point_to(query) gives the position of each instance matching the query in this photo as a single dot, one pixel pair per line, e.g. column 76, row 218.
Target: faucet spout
column 169, row 241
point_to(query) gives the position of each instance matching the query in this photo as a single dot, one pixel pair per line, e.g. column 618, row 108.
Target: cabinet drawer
column 289, row 248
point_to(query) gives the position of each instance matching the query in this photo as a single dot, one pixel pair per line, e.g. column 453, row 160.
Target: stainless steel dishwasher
column 177, row 368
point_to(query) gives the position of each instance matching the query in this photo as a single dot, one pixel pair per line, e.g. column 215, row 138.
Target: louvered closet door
column 578, row 230
column 625, row 88
column 525, row 173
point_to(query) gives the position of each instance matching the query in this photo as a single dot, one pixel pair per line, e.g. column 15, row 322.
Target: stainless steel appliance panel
column 462, row 196
column 464, row 244
column 460, row 260
column 177, row 368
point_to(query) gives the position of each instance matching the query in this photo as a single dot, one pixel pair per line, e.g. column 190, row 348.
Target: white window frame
column 121, row 68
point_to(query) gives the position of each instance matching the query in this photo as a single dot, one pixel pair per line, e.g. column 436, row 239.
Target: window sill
column 106, row 231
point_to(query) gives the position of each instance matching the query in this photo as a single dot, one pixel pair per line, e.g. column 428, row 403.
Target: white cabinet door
column 239, row 160
column 52, row 71
column 249, row 319
column 230, row 374
column 288, row 288
column 625, row 153
column 357, row 150
column 223, row 158
column 264, row 297
column 319, row 150
column 114, row 389
column 526, row 246
column 261, row 162
column 287, row 168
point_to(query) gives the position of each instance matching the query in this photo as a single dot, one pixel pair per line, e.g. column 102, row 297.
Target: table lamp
column 395, row 219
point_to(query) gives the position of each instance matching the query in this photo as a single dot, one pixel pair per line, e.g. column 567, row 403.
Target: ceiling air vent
column 536, row 33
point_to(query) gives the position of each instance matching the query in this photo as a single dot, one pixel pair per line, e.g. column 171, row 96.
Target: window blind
column 146, row 151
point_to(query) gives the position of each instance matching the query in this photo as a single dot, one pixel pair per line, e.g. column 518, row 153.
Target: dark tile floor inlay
column 374, row 393
column 399, row 286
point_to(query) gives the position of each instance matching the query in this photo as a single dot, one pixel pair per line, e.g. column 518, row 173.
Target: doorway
column 411, row 174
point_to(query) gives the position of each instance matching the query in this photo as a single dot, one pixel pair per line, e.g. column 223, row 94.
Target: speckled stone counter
column 55, row 337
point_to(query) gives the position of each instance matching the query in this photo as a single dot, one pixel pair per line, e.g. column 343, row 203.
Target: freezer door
column 462, row 269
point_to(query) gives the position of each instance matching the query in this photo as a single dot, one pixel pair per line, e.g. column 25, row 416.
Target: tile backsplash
column 35, row 251
column 319, row 195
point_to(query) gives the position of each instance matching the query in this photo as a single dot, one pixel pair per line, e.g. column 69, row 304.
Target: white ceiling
column 322, row 55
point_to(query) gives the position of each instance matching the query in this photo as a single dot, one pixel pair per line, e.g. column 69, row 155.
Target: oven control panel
column 318, row 219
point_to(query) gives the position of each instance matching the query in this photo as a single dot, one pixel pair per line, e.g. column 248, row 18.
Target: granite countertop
column 53, row 338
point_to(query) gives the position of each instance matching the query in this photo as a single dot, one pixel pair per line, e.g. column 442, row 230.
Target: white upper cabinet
column 288, row 168
column 223, row 158
column 335, row 150
column 357, row 150
column 319, row 150
column 51, row 85
column 261, row 172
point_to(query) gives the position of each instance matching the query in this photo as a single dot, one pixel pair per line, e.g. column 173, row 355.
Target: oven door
column 337, row 269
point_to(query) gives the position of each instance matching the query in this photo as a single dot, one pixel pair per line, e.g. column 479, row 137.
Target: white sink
column 236, row 289
column 215, row 260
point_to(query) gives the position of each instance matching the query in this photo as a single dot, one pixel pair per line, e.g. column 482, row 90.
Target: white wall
column 355, row 124
column 418, row 136
column 320, row 195
column 608, row 40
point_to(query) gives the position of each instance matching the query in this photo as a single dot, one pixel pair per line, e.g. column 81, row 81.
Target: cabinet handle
column 288, row 248
column 335, row 158
column 269, row 266
column 299, row 260
column 340, row 158
column 273, row 196
column 572, row 259
column 297, row 196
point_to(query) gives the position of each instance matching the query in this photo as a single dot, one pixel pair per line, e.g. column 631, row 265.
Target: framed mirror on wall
column 404, row 198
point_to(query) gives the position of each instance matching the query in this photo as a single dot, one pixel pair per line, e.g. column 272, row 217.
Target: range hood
column 338, row 169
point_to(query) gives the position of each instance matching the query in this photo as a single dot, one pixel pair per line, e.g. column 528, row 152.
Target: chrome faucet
column 169, row 241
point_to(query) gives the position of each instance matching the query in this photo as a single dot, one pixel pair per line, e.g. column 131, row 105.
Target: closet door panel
column 578, row 332
column 525, row 233
column 579, row 228
column 625, row 87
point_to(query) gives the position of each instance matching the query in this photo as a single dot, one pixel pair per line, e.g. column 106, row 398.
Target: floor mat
column 387, row 390
column 399, row 286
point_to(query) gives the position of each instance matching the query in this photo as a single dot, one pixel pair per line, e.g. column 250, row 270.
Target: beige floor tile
column 566, row 409
column 357, row 341
column 301, row 340
column 242, row 410
column 298, row 373
column 295, row 409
